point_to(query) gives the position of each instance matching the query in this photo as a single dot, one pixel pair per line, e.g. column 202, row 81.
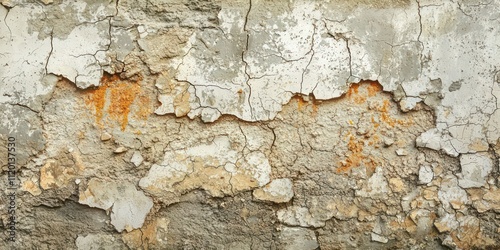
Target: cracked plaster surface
column 202, row 91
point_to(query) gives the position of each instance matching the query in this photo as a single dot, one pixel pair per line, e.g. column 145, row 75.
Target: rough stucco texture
column 258, row 124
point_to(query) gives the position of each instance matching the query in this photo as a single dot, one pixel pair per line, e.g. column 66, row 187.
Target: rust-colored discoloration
column 354, row 94
column 356, row 158
column 354, row 89
column 310, row 106
column 369, row 95
column 360, row 93
column 300, row 103
column 97, row 99
column 115, row 97
column 122, row 96
column 368, row 89
column 375, row 139
column 374, row 88
column 354, row 145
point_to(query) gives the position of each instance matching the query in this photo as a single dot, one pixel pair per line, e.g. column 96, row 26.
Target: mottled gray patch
column 22, row 123
column 455, row 86
column 59, row 20
column 437, row 84
column 223, row 52
column 433, row 100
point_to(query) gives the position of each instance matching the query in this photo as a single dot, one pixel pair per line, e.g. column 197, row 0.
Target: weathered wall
column 251, row 124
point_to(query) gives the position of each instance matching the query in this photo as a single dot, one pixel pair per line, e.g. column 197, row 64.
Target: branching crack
column 108, row 46
column 245, row 62
column 342, row 36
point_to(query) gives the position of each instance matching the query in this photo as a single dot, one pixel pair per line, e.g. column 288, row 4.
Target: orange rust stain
column 374, row 141
column 387, row 120
column 310, row 106
column 121, row 95
column 374, row 88
column 354, row 94
column 380, row 115
column 354, row 145
column 300, row 103
column 355, row 158
column 383, row 110
column 350, row 163
column 359, row 99
column 384, row 107
column 353, row 89
column 360, row 96
column 375, row 123
column 97, row 98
